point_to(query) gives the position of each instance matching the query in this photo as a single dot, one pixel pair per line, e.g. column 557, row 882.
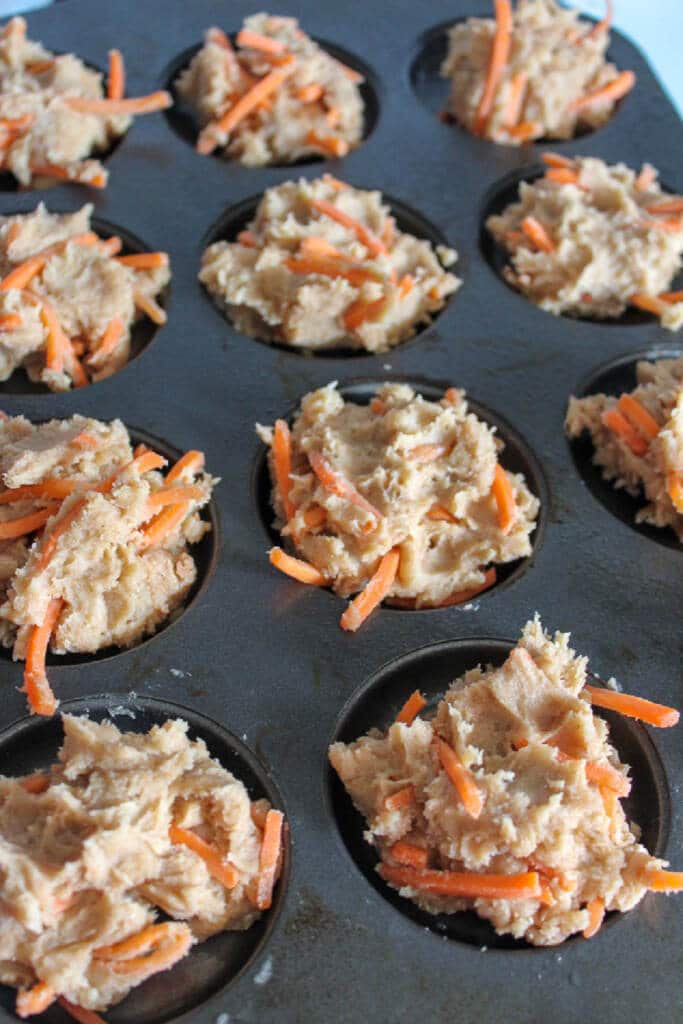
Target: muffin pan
column 263, row 656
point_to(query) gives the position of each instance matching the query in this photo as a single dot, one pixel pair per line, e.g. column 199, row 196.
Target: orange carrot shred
column 256, row 41
column 440, row 514
column 218, row 868
column 537, row 234
column 36, row 783
column 674, row 204
column 332, row 144
column 335, row 483
column 372, row 243
column 40, row 697
column 596, row 913
column 500, row 50
column 23, row 273
column 639, row 417
column 173, row 495
column 163, row 524
column 116, row 82
column 112, row 107
column 674, row 488
column 513, row 106
column 310, row 93
column 556, row 160
column 282, row 465
column 671, row 296
column 35, row 1000
column 186, row 467
column 108, row 342
column 409, row 854
column 608, row 777
column 646, row 178
column 247, row 239
column 209, row 137
column 601, row 26
column 48, row 170
column 149, row 307
column 145, row 260
column 562, row 175
column 526, row 130
column 10, row 322
column 374, row 593
column 401, row 799
column 296, row 568
column 611, row 92
column 360, row 312
column 504, row 498
column 633, row 707
column 658, row 880
column 156, row 948
column 60, row 527
column 461, row 777
column 13, row 528
column 412, row 708
column 620, row 426
column 466, row 884
column 269, row 858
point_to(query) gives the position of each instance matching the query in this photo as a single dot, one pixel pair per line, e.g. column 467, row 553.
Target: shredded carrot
column 314, row 517
column 16, row 124
column 608, row 777
column 145, row 260
column 108, row 108
column 13, row 528
column 671, row 296
column 163, row 524
column 40, row 697
column 526, row 130
column 500, row 50
column 409, row 854
column 515, row 99
column 671, row 226
column 109, row 341
column 633, row 707
column 556, row 160
column 332, row 144
column 217, row 867
column 596, row 913
column 620, row 426
column 282, row 465
column 537, row 234
column 247, row 239
column 256, row 41
column 269, row 858
column 609, row 93
column 549, row 872
column 639, row 417
column 405, row 285
column 441, row 515
column 209, row 137
column 310, row 93
column 330, row 267
column 156, row 948
column 658, row 880
column 372, row 243
column 335, row 483
column 646, row 178
column 84, row 439
column 461, row 777
column 401, row 799
column 674, row 488
column 378, row 406
column 23, row 273
column 504, row 498
column 48, row 170
column 412, row 708
column 79, row 1013
column 35, row 1000
column 333, row 117
column 319, row 247
column 375, row 591
column 46, row 489
column 109, row 246
column 59, row 528
column 36, row 783
column 147, row 305
column 218, row 36
column 116, row 81
column 172, row 495
column 600, row 26
column 610, row 804
column 426, row 452
column 187, row 466
column 360, row 312
column 10, row 322
column 296, row 568
column 562, row 175
column 39, row 67
column 465, row 884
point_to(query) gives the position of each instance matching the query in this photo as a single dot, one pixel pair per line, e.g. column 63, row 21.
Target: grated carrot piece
column 500, row 51
column 282, row 465
column 600, row 26
column 620, row 426
column 335, row 483
column 409, row 854
column 60, row 527
column 49, row 488
column 41, row 699
column 146, row 304
column 646, row 178
column 556, row 160
column 172, row 495
column 562, row 175
column 365, row 236
column 607, row 777
column 36, row 783
column 526, row 130
column 596, row 913
column 504, row 498
column 256, row 41
column 310, row 93
column 160, row 100
column 610, row 93
column 440, row 514
column 187, row 466
column 374, row 593
column 670, row 296
column 412, row 708
column 332, row 144
column 537, row 234
column 209, row 137
column 218, row 868
column 49, row 170
column 330, row 266
column 269, row 858
column 144, row 260
column 426, row 452
column 163, row 524
column 335, row 183
column 673, row 204
column 399, row 800
column 156, row 948
column 296, row 568
column 461, row 777
column 674, row 488
column 515, row 99
column 13, row 528
column 247, row 239
column 465, row 884
column 23, row 273
column 35, row 1000
column 638, row 416
column 116, row 80
column 633, row 707
column 108, row 342
column 360, row 312
column 405, row 285
column 10, row 322
column 658, row 880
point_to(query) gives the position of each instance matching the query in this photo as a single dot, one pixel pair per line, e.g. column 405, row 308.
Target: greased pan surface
column 263, row 656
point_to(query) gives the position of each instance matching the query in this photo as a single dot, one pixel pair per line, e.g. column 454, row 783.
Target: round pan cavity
column 236, row 218
column 183, row 120
column 432, row 90
column 614, row 378
column 432, row 669
column 517, row 456
column 143, row 331
column 496, row 200
column 31, row 744
column 205, row 555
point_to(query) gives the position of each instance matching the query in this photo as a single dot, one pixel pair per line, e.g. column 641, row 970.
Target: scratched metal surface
column 263, row 656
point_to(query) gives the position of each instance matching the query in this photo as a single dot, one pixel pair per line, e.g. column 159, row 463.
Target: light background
column 656, row 26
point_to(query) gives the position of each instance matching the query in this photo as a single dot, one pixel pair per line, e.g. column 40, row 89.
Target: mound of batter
column 68, row 301
column 54, row 114
column 93, row 539
column 277, row 98
column 537, row 71
column 638, row 439
column 402, row 481
column 123, row 826
column 323, row 265
column 507, row 802
column 588, row 239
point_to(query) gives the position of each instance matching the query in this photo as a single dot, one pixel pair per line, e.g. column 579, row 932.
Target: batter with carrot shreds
column 69, row 299
column 638, row 439
column 55, row 113
column 146, row 823
column 94, row 540
column 588, row 239
column 402, row 499
column 323, row 265
column 507, row 801
column 536, row 71
column 275, row 97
